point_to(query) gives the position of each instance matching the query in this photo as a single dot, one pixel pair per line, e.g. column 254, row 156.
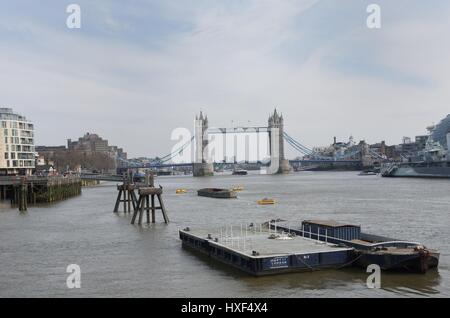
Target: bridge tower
column 276, row 138
column 201, row 166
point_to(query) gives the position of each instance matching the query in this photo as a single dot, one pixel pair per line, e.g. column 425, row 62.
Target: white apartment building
column 17, row 153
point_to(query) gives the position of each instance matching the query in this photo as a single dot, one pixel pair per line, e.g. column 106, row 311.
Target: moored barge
column 388, row 253
column 259, row 251
column 217, row 193
column 277, row 247
column 239, row 172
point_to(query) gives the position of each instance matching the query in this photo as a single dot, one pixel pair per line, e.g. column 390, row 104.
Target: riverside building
column 17, row 153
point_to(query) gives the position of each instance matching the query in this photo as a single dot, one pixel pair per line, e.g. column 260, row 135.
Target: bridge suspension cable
column 303, row 149
column 306, row 151
column 165, row 158
column 294, row 143
column 177, row 151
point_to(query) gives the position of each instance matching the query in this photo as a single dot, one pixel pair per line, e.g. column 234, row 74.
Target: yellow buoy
column 266, row 201
column 180, row 191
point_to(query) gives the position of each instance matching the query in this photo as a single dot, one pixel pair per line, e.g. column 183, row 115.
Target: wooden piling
column 153, row 210
column 3, row 192
column 127, row 196
column 119, row 195
column 23, row 196
column 147, row 195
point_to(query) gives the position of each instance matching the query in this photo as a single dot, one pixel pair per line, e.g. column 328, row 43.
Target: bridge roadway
column 325, row 161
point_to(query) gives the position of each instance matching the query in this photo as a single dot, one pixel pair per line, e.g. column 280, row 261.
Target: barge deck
column 260, row 251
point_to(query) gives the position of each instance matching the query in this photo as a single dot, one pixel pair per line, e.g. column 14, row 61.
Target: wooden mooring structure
column 22, row 191
column 127, row 196
column 146, row 202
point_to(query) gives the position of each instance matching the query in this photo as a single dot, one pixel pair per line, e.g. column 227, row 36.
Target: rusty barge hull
column 388, row 253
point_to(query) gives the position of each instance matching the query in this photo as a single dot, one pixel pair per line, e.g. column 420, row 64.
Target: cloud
column 134, row 73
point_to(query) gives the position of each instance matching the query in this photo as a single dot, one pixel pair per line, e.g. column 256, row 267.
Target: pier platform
column 21, row 190
column 260, row 251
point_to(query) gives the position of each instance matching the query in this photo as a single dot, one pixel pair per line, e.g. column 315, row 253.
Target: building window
column 6, row 155
column 5, row 132
column 14, row 163
column 3, row 124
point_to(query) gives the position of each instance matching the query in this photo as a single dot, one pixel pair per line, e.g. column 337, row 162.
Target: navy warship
column 432, row 162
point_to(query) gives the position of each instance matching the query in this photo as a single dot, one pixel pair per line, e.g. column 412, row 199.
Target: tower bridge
column 204, row 165
column 275, row 162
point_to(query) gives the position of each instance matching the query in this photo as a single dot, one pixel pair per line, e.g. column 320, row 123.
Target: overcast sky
column 138, row 69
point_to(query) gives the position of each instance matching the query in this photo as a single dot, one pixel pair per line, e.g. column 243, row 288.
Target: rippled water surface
column 121, row 260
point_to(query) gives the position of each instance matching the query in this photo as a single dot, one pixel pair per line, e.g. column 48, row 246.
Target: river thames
column 122, row 260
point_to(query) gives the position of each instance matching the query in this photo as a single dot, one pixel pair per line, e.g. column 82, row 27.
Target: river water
column 121, row 260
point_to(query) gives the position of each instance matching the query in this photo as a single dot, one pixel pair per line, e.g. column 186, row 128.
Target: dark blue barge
column 276, row 247
column 388, row 253
column 260, row 251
